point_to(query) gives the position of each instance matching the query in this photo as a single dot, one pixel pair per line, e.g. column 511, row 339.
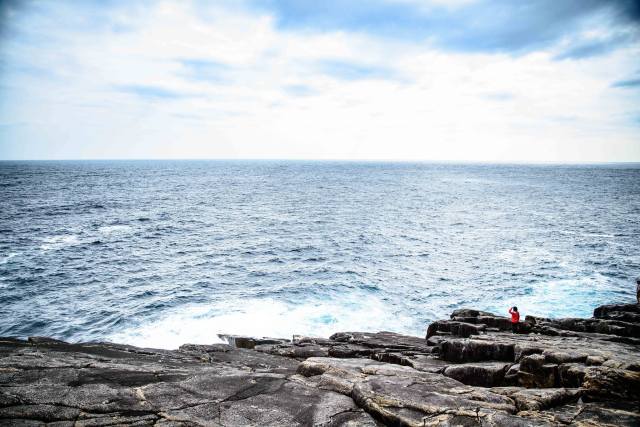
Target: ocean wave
column 59, row 242
column 201, row 324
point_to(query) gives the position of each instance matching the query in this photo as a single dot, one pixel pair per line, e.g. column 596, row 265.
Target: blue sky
column 464, row 80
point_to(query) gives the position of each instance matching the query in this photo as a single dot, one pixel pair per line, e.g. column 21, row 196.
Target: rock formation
column 468, row 370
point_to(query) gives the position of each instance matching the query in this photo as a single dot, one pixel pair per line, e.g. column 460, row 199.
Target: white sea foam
column 264, row 318
column 108, row 230
column 558, row 298
column 6, row 259
column 59, row 241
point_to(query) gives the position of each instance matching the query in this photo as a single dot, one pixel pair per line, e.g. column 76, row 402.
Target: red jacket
column 515, row 316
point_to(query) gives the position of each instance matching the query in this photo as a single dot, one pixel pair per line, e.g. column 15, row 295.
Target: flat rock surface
column 470, row 371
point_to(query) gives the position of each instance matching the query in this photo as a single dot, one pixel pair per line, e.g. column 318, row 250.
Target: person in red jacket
column 515, row 319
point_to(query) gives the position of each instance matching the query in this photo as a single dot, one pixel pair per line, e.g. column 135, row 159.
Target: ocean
column 161, row 253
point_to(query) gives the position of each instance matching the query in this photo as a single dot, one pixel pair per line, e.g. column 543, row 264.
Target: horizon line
column 339, row 160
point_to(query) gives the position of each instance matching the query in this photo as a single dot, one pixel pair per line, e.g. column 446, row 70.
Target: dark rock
column 387, row 340
column 350, row 350
column 249, row 342
column 468, row 312
column 572, row 374
column 554, row 372
column 485, row 374
column 539, row 399
column 606, row 413
column 294, row 351
column 552, row 356
column 70, row 384
column 534, row 373
column 44, row 340
column 604, row 311
column 398, row 395
column 468, row 350
column 460, row 329
column 598, row 325
column 511, row 376
column 612, row 382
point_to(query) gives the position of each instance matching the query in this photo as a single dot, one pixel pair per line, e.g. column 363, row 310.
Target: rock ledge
column 468, row 370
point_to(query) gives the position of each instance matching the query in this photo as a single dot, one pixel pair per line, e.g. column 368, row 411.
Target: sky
column 415, row 80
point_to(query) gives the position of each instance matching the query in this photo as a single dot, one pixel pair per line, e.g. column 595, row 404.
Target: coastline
column 470, row 370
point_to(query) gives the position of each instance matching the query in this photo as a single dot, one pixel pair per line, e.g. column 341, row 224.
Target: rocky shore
column 468, row 370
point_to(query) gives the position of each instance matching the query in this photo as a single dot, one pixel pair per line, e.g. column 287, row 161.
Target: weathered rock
column 572, row 374
column 389, row 341
column 399, row 395
column 472, row 350
column 605, row 311
column 471, row 371
column 105, row 384
column 469, row 312
column 239, row 341
column 612, row 382
column 294, row 351
column 534, row 373
column 601, row 414
column 460, row 329
column 486, row 374
column 538, row 399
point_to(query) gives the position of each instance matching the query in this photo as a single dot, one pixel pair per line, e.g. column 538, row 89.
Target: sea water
column 161, row 253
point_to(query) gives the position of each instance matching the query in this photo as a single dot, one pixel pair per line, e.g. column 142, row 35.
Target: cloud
column 631, row 83
column 590, row 48
column 300, row 90
column 500, row 96
column 205, row 70
column 345, row 70
column 474, row 26
column 399, row 79
column 150, row 92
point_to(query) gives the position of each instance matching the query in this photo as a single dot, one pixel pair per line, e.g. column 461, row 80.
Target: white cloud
column 434, row 106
